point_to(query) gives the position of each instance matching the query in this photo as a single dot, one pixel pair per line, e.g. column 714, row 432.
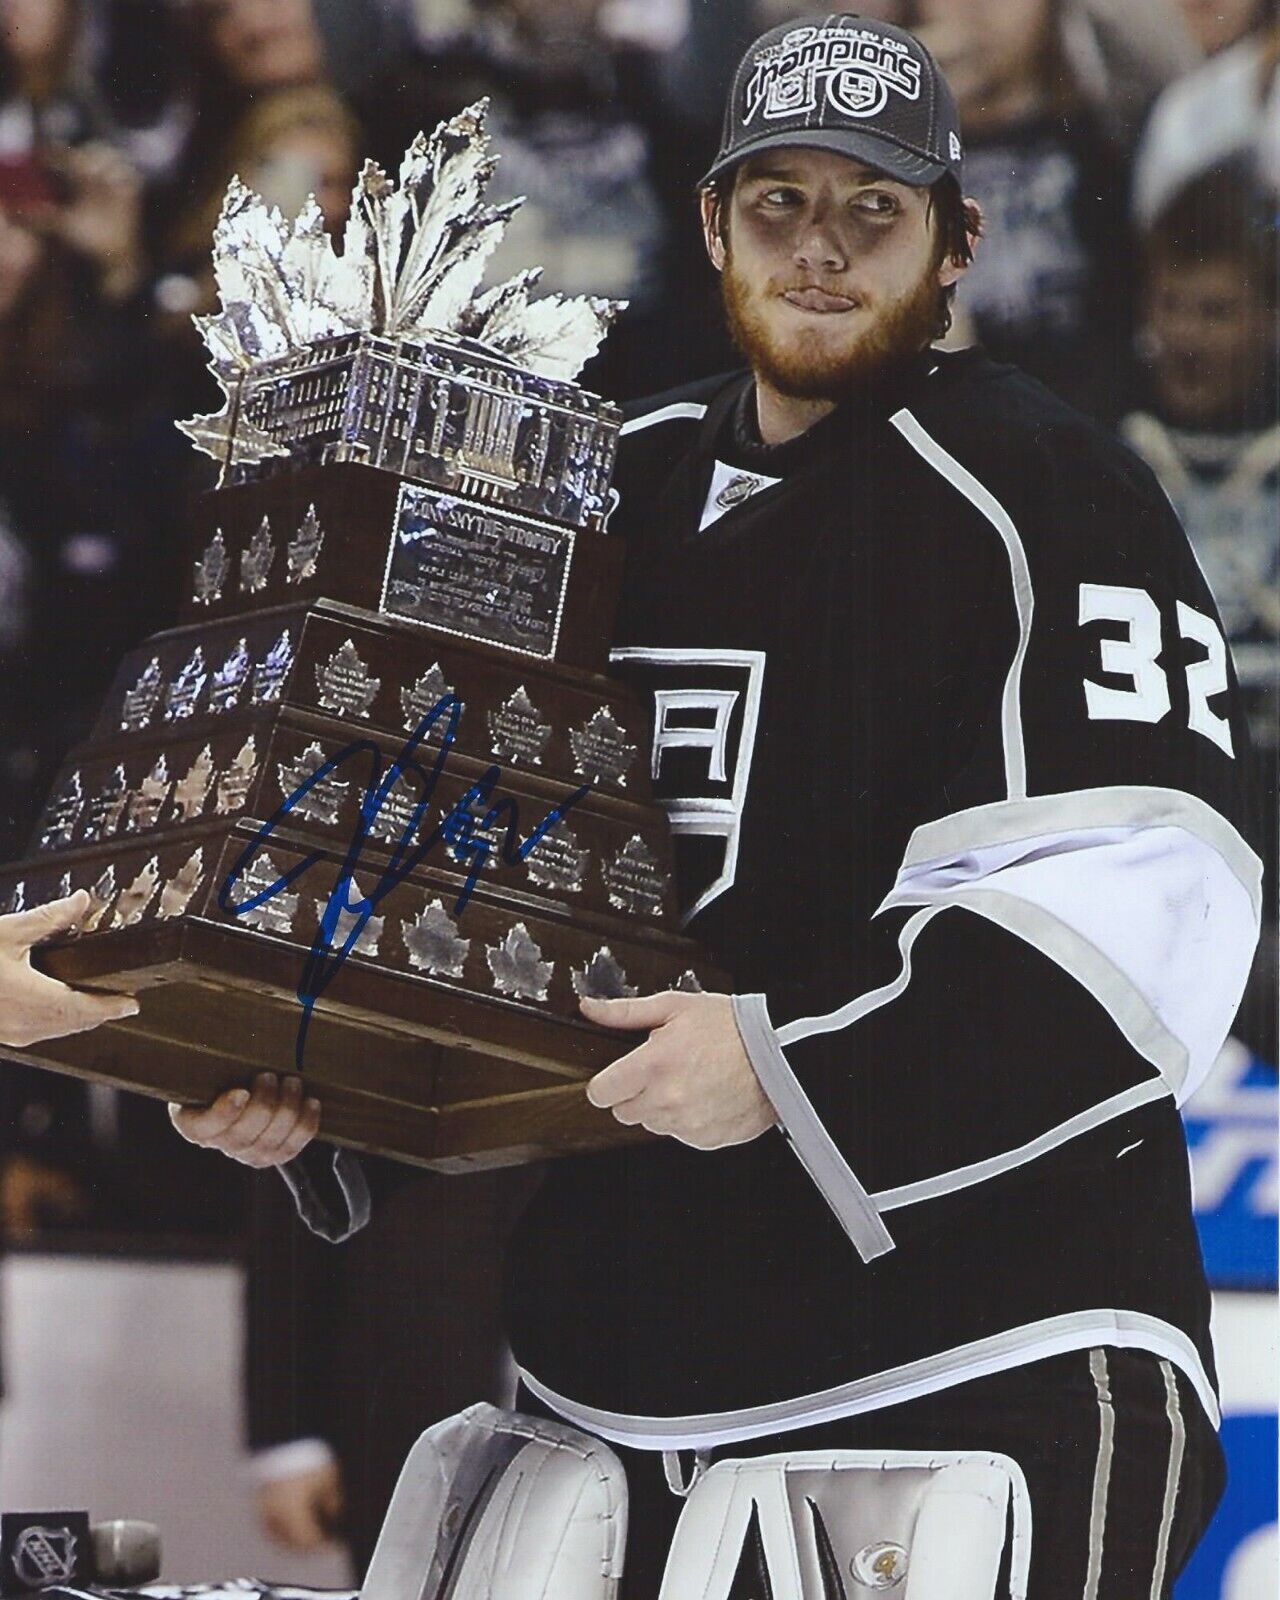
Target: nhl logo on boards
column 41, row 1549
column 855, row 68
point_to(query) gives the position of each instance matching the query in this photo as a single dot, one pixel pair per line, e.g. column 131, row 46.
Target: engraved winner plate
column 478, row 573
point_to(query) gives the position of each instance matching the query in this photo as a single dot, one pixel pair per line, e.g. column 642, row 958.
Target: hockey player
column 952, row 747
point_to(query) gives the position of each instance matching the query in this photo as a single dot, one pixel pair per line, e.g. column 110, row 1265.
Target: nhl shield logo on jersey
column 730, row 487
column 737, row 489
column 855, row 68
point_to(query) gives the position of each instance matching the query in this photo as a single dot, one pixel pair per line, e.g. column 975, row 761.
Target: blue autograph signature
column 460, row 830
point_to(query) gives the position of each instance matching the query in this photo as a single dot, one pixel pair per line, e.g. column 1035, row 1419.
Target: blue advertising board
column 1231, row 1131
column 1232, row 1135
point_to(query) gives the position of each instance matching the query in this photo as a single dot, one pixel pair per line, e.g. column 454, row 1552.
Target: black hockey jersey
column 949, row 738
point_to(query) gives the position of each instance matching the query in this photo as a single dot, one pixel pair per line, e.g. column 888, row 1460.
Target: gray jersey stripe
column 689, row 409
column 981, row 498
column 1177, row 1444
column 1101, row 1471
column 1035, row 1341
column 981, row 1171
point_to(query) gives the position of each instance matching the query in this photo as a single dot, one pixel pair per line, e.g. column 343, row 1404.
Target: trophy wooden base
column 392, row 1068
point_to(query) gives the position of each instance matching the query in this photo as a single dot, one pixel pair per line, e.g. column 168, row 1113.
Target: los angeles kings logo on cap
column 854, row 69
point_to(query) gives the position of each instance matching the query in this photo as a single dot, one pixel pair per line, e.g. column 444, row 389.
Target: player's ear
column 950, row 270
column 712, row 205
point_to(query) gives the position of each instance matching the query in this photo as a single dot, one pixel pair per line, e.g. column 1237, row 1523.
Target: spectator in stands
column 1211, row 432
column 582, row 132
column 285, row 144
column 82, row 457
column 1210, row 429
column 1051, row 291
column 1229, row 107
column 582, row 155
column 47, row 93
column 237, row 52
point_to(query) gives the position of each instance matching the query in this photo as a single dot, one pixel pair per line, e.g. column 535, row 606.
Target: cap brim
column 877, row 151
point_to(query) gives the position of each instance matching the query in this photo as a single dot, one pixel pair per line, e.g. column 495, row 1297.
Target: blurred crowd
column 1126, row 155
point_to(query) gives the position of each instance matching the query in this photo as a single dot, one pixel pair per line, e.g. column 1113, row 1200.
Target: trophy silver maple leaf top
column 411, row 268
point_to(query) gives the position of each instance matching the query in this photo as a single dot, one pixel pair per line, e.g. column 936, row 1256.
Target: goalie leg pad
column 831, row 1525
column 493, row 1505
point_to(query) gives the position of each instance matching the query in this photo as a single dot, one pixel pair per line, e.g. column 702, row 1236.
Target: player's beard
column 806, row 364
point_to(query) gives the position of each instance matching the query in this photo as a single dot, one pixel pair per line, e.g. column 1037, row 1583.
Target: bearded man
column 952, row 752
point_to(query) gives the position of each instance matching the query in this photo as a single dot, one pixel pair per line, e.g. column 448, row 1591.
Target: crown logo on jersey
column 855, row 69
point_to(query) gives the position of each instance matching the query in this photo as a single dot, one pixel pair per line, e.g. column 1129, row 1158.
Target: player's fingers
column 26, row 928
column 645, row 1011
column 632, row 1113
column 255, row 1118
column 623, row 1080
column 304, row 1131
column 207, row 1124
column 284, row 1119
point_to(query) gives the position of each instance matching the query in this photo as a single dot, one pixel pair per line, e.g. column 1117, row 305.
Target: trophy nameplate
column 373, row 810
column 476, row 572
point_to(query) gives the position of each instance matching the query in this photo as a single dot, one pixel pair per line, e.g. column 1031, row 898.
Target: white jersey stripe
column 1149, row 920
column 680, row 408
column 1076, row 811
column 928, row 448
column 1034, row 1341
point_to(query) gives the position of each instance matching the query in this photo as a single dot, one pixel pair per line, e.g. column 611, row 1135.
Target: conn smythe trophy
column 378, row 763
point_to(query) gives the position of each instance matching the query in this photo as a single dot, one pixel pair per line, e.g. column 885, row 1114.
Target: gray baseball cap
column 850, row 84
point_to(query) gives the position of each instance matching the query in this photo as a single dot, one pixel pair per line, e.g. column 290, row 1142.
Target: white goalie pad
column 840, row 1524
column 492, row 1505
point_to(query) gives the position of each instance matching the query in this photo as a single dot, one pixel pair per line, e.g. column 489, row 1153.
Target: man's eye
column 878, row 201
column 780, row 197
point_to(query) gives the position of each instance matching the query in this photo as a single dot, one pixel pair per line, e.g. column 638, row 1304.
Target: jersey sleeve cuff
column 817, row 1151
column 331, row 1197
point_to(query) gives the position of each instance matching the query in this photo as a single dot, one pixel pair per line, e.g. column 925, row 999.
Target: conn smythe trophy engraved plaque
column 373, row 807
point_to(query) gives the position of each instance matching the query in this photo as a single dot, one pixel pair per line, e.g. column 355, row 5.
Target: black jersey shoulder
column 1058, row 473
column 1008, row 417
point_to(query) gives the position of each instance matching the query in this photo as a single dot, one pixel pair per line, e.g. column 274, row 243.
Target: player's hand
column 302, row 1512
column 690, row 1079
column 34, row 1006
column 262, row 1127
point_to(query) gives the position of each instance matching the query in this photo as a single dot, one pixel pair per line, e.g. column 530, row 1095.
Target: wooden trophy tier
column 450, row 1033
column 411, row 551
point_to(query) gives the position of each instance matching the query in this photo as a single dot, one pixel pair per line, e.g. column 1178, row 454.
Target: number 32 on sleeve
column 1137, row 658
